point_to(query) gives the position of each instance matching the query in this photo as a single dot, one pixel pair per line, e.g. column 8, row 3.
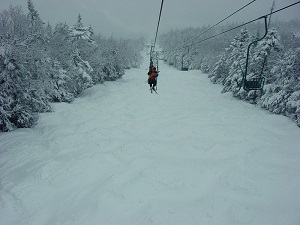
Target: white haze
column 133, row 18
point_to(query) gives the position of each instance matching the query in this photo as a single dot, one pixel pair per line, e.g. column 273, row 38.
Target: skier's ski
column 154, row 91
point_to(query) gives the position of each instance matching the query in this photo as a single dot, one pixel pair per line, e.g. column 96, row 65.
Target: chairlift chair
column 256, row 83
column 184, row 68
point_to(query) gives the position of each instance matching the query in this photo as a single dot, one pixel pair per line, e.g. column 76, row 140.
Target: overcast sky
column 139, row 17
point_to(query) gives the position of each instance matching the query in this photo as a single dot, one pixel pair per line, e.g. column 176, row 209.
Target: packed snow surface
column 119, row 155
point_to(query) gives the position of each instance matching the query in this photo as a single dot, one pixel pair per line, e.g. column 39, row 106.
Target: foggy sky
column 132, row 18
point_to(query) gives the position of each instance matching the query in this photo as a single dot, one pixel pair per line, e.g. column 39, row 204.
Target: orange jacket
column 153, row 73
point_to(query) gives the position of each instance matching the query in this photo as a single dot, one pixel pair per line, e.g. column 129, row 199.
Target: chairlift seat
column 254, row 83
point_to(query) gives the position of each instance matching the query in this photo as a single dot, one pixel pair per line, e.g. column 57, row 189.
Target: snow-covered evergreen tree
column 61, row 46
column 220, row 70
column 282, row 96
column 83, row 38
column 236, row 61
column 36, row 25
column 21, row 85
column 18, row 101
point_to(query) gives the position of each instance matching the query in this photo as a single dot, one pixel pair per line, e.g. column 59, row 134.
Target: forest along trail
column 121, row 155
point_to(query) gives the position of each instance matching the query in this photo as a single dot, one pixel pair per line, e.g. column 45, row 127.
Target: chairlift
column 155, row 56
column 182, row 67
column 256, row 83
column 172, row 60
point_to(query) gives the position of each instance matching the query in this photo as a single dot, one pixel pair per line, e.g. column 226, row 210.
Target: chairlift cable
column 161, row 6
column 208, row 29
column 226, row 31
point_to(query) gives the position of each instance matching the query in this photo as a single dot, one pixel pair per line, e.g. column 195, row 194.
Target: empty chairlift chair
column 256, row 83
column 184, row 68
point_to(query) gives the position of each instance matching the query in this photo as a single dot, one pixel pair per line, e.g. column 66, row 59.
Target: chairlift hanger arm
column 257, row 40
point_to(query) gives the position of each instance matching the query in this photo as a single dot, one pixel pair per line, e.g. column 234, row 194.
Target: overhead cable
column 208, row 29
column 161, row 6
column 226, row 31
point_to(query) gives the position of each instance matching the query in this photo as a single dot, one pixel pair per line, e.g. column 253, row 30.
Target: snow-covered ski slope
column 119, row 155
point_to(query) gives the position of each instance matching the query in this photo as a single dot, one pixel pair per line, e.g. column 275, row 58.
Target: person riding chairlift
column 152, row 75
